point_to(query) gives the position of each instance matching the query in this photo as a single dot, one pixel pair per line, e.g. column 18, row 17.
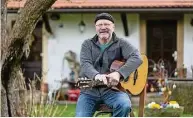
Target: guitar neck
column 95, row 83
column 88, row 83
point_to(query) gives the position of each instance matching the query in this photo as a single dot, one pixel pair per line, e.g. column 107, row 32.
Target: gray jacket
column 93, row 61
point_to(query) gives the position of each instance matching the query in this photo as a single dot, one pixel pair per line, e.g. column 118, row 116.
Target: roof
column 62, row 4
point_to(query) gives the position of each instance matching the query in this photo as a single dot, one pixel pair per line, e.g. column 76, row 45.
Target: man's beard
column 105, row 38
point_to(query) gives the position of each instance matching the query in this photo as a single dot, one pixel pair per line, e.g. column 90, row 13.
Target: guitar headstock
column 85, row 83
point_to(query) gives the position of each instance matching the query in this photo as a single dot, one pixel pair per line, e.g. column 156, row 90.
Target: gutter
column 94, row 10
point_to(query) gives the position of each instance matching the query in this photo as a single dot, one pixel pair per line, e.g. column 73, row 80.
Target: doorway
column 162, row 42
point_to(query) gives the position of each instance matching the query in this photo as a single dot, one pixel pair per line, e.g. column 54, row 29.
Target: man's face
column 104, row 29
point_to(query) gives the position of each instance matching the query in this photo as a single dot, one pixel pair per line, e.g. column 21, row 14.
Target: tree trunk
column 18, row 47
column 3, row 35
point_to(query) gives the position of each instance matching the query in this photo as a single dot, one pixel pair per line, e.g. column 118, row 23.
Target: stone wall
column 183, row 93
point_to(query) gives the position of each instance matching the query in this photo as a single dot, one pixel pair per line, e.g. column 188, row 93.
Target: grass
column 70, row 111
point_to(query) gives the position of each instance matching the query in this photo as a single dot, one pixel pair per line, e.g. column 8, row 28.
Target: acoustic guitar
column 134, row 84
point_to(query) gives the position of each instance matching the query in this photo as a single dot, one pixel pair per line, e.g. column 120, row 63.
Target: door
column 161, row 42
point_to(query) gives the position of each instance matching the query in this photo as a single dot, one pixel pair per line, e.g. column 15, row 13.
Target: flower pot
column 164, row 112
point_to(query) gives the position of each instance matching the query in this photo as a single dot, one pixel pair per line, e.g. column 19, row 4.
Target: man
column 96, row 56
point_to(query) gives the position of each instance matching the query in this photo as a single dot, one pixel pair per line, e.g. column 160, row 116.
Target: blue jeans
column 117, row 100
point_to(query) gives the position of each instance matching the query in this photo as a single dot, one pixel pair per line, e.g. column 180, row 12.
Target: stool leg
column 142, row 102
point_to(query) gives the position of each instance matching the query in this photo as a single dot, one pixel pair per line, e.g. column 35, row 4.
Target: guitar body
column 134, row 84
column 140, row 83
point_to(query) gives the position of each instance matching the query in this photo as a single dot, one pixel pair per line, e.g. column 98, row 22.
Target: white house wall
column 188, row 43
column 69, row 38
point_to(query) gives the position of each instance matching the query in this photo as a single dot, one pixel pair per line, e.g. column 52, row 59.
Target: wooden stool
column 104, row 109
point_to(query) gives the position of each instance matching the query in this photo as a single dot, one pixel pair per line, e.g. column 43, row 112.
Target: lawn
column 70, row 111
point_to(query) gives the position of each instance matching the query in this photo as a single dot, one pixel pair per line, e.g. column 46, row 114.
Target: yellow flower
column 156, row 106
column 173, row 102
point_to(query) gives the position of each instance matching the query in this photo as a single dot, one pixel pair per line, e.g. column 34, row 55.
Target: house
column 156, row 28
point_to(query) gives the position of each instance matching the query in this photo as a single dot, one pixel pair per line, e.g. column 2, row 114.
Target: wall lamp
column 82, row 25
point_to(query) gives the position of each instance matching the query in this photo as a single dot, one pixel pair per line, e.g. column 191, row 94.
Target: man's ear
column 114, row 27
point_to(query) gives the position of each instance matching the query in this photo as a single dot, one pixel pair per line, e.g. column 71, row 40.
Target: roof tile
column 12, row 4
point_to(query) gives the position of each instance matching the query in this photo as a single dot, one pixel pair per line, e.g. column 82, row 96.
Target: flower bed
column 164, row 112
column 171, row 109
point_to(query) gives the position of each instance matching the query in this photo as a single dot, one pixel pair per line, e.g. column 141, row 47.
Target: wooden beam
column 158, row 16
column 143, row 36
column 47, row 24
column 180, row 43
column 44, row 53
column 125, row 25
